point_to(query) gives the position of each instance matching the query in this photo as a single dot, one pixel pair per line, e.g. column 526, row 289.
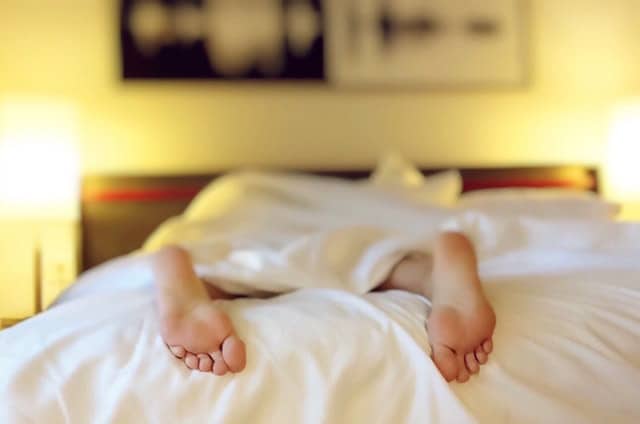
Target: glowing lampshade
column 39, row 171
column 622, row 168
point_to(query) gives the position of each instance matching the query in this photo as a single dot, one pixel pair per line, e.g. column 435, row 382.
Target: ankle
column 412, row 274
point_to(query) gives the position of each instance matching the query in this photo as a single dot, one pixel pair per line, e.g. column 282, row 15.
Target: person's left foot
column 201, row 335
column 195, row 329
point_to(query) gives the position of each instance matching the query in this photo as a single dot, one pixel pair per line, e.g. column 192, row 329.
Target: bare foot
column 460, row 339
column 462, row 321
column 196, row 331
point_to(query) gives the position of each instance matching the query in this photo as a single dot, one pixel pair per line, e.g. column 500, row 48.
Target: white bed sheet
column 100, row 360
column 567, row 345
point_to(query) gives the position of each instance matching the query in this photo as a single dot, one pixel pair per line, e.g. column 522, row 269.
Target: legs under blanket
column 355, row 259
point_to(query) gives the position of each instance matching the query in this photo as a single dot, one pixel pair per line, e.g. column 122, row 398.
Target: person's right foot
column 460, row 339
column 193, row 327
column 462, row 321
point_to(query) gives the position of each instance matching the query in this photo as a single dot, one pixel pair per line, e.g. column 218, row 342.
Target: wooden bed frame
column 120, row 212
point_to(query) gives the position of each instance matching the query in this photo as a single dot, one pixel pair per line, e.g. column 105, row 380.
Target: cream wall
column 585, row 54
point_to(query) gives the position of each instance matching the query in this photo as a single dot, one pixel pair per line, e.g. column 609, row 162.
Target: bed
column 563, row 277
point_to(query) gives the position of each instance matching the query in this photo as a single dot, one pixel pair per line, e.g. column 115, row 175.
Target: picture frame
column 338, row 43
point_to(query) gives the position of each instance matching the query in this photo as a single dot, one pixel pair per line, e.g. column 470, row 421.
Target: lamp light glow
column 39, row 170
column 622, row 162
column 623, row 157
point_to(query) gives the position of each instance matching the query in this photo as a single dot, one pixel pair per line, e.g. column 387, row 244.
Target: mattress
column 567, row 345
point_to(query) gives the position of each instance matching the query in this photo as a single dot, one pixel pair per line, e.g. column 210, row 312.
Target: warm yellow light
column 39, row 170
column 623, row 155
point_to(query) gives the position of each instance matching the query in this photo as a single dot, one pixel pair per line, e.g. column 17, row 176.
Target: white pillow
column 539, row 202
column 397, row 175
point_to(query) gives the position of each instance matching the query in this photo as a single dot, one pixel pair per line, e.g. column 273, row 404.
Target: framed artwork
column 343, row 43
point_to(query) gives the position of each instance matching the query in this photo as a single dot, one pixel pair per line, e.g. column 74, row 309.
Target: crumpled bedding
column 566, row 293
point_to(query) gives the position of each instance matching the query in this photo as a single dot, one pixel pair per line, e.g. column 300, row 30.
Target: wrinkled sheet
column 567, row 344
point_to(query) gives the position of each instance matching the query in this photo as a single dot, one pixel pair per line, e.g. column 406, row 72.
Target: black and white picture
column 338, row 42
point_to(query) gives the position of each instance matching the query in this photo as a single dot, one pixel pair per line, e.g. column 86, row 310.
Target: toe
column 481, row 355
column 234, row 353
column 191, row 361
column 205, row 362
column 472, row 364
column 463, row 374
column 219, row 365
column 487, row 346
column 446, row 361
column 178, row 351
column 463, row 377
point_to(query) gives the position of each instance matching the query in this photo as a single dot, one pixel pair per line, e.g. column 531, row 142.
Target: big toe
column 445, row 360
column 234, row 353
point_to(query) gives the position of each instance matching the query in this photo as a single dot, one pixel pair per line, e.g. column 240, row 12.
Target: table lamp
column 38, row 161
column 622, row 167
column 39, row 204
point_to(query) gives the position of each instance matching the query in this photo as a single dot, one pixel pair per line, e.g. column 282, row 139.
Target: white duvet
column 566, row 293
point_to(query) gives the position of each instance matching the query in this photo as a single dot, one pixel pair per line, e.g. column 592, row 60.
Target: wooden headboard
column 120, row 212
